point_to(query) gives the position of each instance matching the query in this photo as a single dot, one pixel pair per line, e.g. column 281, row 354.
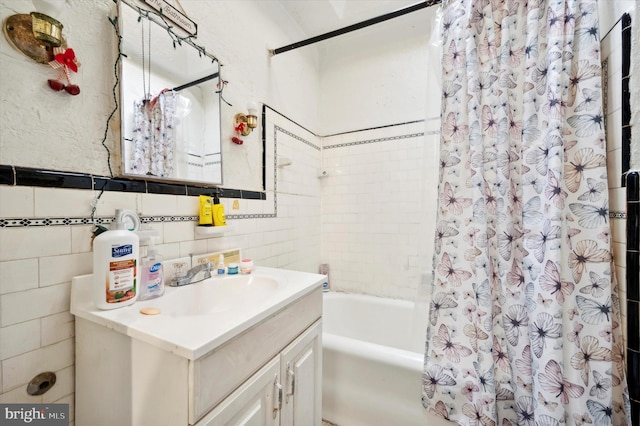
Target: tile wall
column 379, row 192
column 45, row 240
column 623, row 190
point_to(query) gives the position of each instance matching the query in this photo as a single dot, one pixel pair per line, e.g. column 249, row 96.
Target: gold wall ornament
column 46, row 29
column 19, row 32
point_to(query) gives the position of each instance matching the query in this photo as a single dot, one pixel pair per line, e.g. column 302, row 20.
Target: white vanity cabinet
column 285, row 392
column 263, row 370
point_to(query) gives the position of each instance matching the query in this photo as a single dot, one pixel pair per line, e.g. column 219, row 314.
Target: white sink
column 222, row 294
column 196, row 318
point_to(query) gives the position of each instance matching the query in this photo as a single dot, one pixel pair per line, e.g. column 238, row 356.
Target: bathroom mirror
column 170, row 105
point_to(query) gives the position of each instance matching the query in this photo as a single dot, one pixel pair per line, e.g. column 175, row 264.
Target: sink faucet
column 196, row 274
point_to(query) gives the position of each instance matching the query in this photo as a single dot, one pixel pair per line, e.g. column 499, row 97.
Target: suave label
column 121, row 277
column 119, row 251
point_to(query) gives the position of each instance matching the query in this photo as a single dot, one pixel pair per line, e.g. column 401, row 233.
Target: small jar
column 232, row 269
column 246, row 266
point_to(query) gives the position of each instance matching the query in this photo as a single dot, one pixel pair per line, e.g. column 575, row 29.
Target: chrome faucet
column 196, row 274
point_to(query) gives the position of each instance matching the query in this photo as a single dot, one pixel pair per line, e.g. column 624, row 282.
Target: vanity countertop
column 197, row 318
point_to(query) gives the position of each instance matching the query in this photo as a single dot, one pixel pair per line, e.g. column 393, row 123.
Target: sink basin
column 221, row 294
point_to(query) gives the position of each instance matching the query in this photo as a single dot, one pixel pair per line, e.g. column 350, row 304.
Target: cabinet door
column 256, row 402
column 301, row 372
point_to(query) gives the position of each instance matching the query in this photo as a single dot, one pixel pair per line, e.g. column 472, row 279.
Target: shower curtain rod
column 196, row 82
column 359, row 25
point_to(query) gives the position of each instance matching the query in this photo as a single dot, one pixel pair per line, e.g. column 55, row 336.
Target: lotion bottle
column 152, row 282
column 219, row 218
column 222, row 269
column 115, row 265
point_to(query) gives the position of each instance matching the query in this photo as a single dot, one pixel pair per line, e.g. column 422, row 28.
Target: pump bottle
column 115, row 265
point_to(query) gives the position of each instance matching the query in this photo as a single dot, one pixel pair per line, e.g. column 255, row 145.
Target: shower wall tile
column 374, row 203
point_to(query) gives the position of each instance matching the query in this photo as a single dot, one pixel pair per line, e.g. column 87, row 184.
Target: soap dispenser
column 115, row 264
column 152, row 280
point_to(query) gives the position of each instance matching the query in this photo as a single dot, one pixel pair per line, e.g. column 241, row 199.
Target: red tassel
column 237, row 140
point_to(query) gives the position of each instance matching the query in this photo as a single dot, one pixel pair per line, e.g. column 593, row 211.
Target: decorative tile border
column 70, row 221
column 617, row 215
column 376, row 140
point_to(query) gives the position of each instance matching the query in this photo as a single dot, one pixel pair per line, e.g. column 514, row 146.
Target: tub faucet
column 196, row 274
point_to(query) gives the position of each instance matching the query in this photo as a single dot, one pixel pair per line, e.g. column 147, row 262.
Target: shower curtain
column 523, row 326
column 153, row 135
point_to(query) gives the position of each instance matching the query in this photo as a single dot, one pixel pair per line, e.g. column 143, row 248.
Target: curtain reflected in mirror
column 170, row 103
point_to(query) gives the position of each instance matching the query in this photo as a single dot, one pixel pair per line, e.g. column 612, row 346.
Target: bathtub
column 372, row 360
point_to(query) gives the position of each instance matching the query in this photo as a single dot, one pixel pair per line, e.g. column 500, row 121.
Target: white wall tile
column 19, row 338
column 57, row 202
column 69, row 399
column 60, row 269
column 614, row 168
column 618, row 200
column 112, row 200
column 193, row 247
column 619, row 230
column 36, row 303
column 65, row 385
column 19, row 370
column 56, row 328
column 81, row 238
column 159, row 205
column 16, row 201
column 619, row 254
column 30, row 242
column 614, row 92
column 18, row 275
column 178, row 231
column 614, row 130
column 19, row 395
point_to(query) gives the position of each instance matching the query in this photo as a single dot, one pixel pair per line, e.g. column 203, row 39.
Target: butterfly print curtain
column 153, row 135
column 524, row 327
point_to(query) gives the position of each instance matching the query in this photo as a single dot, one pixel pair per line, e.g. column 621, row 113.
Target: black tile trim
column 52, row 179
column 633, row 186
column 7, row 175
column 633, row 276
column 633, row 226
column 633, row 372
column 633, row 323
column 635, row 412
column 625, row 95
column 166, row 188
column 25, row 176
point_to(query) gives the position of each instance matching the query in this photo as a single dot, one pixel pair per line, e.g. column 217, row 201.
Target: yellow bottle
column 206, row 213
column 219, row 218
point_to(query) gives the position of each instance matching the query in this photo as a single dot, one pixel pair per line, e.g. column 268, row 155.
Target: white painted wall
column 377, row 75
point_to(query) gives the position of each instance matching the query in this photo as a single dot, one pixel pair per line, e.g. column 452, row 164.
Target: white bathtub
column 372, row 362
